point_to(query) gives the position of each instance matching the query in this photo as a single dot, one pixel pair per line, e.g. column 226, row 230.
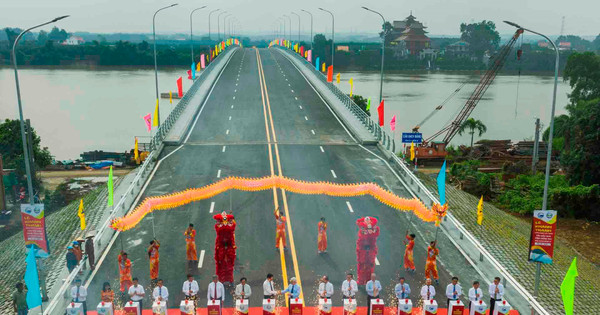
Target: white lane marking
column 305, row 118
column 227, row 132
column 313, row 132
column 236, row 84
column 300, row 106
column 224, row 148
column 204, row 103
column 376, row 261
column 349, row 206
column 229, row 117
column 201, row 259
column 292, row 91
column 321, row 147
column 289, row 84
column 219, row 174
column 212, row 205
column 296, row 98
column 231, row 106
column 333, row 173
column 235, row 91
column 234, row 97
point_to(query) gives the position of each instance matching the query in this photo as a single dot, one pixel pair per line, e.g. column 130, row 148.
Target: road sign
column 541, row 245
column 408, row 137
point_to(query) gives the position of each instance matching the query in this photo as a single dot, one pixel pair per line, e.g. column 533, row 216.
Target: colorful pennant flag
column 148, row 121
column 189, row 73
column 110, row 187
column 412, row 151
column 369, row 104
column 393, row 123
column 480, row 211
column 567, row 287
column 198, row 66
column 180, row 87
column 202, row 61
column 317, row 64
column 441, row 183
column 337, row 78
column 351, row 81
column 309, row 55
column 155, row 122
column 136, row 152
column 193, row 71
column 34, row 296
column 330, row 74
column 81, row 215
column 170, row 97
column 323, row 69
column 381, row 112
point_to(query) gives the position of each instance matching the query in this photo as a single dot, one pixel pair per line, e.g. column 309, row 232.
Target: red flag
column 330, row 74
column 302, row 51
column 180, row 86
column 380, row 112
column 189, row 72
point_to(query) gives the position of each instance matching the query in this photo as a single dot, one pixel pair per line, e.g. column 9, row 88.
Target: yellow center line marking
column 285, row 204
column 275, row 198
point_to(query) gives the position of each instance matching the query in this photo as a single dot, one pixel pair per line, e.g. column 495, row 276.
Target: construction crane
column 435, row 150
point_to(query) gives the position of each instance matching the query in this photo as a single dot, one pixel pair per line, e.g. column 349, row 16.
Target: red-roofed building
column 410, row 36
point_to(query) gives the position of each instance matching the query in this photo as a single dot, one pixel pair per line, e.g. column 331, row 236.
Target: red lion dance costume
column 366, row 248
column 225, row 246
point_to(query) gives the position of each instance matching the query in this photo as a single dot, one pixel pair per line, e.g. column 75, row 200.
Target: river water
column 81, row 110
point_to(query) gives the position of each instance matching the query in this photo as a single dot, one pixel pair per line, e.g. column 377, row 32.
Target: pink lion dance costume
column 366, row 248
column 225, row 246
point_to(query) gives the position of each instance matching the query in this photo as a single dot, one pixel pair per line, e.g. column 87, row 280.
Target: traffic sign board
column 408, row 137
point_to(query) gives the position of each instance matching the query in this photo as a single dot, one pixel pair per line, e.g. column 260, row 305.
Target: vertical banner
column 330, row 74
column 180, row 87
column 543, row 230
column 317, row 64
column 309, row 55
column 34, row 228
column 148, row 121
column 193, row 71
column 202, row 62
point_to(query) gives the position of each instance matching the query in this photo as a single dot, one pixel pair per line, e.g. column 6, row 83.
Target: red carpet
column 309, row 310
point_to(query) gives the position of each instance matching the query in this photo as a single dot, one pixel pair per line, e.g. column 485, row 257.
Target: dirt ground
column 581, row 235
column 51, row 179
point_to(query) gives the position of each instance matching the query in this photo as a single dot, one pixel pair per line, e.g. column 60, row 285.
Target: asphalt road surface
column 264, row 118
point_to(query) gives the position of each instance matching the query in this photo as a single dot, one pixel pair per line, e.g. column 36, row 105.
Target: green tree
column 577, row 42
column 321, row 48
column 583, row 72
column 42, row 38
column 472, row 125
column 386, row 33
column 596, row 43
column 481, row 36
column 58, row 35
column 361, row 102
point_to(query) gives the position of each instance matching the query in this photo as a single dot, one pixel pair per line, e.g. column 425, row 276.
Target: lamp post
column 209, row 14
column 311, row 27
column 290, row 29
column 382, row 53
column 294, row 13
column 225, row 25
column 332, row 33
column 155, row 63
column 191, row 32
column 538, row 268
column 219, row 25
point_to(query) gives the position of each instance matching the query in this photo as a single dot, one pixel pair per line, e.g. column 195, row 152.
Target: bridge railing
column 469, row 245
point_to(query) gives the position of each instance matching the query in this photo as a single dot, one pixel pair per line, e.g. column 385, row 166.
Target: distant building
column 543, row 44
column 73, row 41
column 342, row 48
column 564, row 46
column 409, row 36
column 458, row 49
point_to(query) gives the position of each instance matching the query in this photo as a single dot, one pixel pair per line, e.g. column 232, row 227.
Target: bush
column 580, row 202
column 470, row 179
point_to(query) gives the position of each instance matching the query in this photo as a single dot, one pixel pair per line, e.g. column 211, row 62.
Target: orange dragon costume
column 366, row 248
column 225, row 249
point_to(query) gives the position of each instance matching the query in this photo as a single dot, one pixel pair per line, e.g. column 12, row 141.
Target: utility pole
column 536, row 146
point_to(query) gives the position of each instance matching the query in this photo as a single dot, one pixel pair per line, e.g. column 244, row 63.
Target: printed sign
column 543, row 229
column 34, row 228
column 408, row 137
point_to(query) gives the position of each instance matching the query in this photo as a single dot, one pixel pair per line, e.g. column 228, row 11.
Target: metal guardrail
column 420, row 190
column 105, row 233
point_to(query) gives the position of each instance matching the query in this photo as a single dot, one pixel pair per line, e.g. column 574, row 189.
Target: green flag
column 567, row 288
column 369, row 104
column 110, row 187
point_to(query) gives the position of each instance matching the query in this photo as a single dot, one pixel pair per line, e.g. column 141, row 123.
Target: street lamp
column 219, row 24
column 209, row 14
column 290, row 29
column 311, row 27
column 538, row 269
column 332, row 33
column 155, row 63
column 191, row 35
column 225, row 25
column 382, row 53
column 298, row 25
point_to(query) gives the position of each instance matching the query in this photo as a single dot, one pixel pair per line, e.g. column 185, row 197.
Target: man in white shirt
column 268, row 290
column 349, row 287
column 190, row 290
column 475, row 293
column 427, row 291
column 137, row 293
column 216, row 291
column 161, row 293
column 453, row 291
column 373, row 288
column 243, row 290
column 79, row 294
column 402, row 289
column 325, row 288
column 496, row 293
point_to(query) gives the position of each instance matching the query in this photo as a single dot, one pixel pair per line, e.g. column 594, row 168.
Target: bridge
column 261, row 112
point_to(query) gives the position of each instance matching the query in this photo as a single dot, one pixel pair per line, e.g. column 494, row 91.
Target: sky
column 442, row 17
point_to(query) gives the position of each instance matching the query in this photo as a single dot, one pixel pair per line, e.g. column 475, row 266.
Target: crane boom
column 484, row 84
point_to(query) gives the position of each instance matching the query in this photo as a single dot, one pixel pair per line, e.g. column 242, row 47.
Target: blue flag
column 193, row 71
column 441, row 183
column 34, row 297
column 317, row 64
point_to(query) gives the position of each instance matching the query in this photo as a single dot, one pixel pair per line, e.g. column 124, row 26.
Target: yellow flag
column 170, row 97
column 480, row 211
column 351, row 81
column 155, row 120
column 198, row 69
column 337, row 78
column 412, row 151
column 81, row 215
column 136, row 152
column 324, row 68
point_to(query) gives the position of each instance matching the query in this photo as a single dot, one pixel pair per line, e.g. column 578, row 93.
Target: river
column 80, row 110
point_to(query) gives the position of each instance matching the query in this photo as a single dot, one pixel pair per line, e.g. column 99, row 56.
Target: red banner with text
column 543, row 230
